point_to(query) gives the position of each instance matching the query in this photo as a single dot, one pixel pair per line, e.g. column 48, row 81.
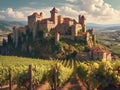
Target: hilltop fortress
column 61, row 27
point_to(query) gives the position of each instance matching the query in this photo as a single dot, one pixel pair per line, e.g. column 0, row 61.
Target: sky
column 95, row 11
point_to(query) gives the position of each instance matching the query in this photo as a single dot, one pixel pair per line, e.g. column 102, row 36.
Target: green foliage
column 97, row 74
column 40, row 34
column 92, row 73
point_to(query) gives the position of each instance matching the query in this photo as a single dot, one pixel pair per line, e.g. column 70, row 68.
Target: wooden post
column 30, row 77
column 55, row 69
column 10, row 80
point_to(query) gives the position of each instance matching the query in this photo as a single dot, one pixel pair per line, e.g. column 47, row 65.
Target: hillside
column 47, row 48
column 65, row 49
column 6, row 26
column 110, row 40
column 104, row 27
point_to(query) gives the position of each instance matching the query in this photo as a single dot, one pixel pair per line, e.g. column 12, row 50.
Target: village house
column 95, row 53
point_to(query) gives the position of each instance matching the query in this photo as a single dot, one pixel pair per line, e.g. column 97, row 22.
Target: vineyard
column 17, row 73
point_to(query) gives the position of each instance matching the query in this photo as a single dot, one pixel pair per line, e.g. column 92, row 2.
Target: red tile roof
column 115, row 57
column 99, row 49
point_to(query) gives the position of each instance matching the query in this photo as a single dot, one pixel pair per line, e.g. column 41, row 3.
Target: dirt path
column 74, row 83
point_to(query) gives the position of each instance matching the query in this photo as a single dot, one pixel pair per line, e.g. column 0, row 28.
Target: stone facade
column 17, row 31
column 63, row 25
column 99, row 53
column 66, row 27
column 95, row 53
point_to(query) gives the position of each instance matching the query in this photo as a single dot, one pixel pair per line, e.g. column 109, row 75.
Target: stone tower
column 82, row 19
column 32, row 22
column 54, row 15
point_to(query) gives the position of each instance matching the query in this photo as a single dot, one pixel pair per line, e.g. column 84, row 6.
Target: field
column 25, row 73
column 110, row 39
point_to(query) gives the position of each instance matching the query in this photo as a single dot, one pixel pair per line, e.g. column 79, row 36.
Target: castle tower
column 32, row 22
column 54, row 15
column 82, row 19
column 41, row 15
column 15, row 36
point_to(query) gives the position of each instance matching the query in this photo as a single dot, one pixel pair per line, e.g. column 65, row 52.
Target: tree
column 9, row 39
column 4, row 43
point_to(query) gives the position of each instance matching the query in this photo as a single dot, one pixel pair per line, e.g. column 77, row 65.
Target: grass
column 14, row 60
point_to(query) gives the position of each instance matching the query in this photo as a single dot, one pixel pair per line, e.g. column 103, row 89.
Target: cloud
column 95, row 11
column 68, row 11
column 21, row 13
column 10, row 14
column 101, row 11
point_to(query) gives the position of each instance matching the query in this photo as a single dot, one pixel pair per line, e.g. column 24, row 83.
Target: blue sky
column 96, row 11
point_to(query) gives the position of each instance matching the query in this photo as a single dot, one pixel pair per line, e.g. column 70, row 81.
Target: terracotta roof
column 99, row 49
column 115, row 57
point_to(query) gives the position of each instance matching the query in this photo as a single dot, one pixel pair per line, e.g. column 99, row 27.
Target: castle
column 61, row 27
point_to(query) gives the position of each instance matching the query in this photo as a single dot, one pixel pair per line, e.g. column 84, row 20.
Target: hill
column 6, row 26
column 102, row 27
column 110, row 40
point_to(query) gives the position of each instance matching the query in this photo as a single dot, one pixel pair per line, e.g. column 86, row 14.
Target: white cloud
column 10, row 14
column 21, row 13
column 68, row 11
column 96, row 11
column 100, row 12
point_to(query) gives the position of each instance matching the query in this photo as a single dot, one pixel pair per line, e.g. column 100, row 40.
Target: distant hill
column 6, row 26
column 106, row 27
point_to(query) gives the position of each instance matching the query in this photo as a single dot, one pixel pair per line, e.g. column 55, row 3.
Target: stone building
column 99, row 53
column 17, row 31
column 95, row 53
column 66, row 27
column 63, row 27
